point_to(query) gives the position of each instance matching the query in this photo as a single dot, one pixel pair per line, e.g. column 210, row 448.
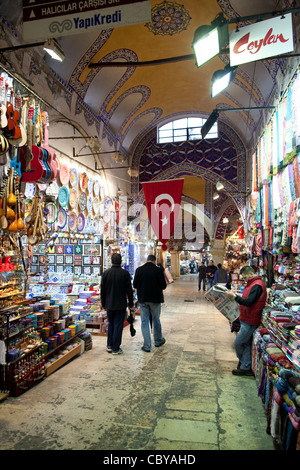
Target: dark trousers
column 201, row 279
column 115, row 328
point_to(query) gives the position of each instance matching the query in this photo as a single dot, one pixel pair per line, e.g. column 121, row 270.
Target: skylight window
column 184, row 129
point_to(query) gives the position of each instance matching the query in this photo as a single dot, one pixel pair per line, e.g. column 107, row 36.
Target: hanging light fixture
column 219, row 186
column 216, row 196
column 54, row 50
column 221, row 79
column 209, row 40
column 225, row 220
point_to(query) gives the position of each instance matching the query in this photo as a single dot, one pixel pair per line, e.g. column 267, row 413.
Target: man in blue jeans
column 149, row 281
column 116, row 292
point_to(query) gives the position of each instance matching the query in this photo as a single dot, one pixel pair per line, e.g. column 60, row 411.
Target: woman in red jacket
column 251, row 304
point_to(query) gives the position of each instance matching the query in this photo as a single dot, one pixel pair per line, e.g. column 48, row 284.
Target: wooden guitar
column 38, row 136
column 30, row 156
column 3, row 118
column 19, row 129
column 13, row 129
column 52, row 155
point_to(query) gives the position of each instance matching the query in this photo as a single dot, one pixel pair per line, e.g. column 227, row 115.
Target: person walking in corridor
column 116, row 293
column 149, row 281
column 251, row 304
column 221, row 276
column 210, row 274
column 202, row 276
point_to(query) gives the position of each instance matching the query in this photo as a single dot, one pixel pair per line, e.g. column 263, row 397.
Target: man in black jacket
column 116, row 291
column 149, row 281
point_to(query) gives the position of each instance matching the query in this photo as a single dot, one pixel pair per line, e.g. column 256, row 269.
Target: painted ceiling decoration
column 124, row 105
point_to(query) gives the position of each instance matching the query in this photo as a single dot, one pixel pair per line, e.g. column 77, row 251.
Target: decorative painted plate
column 89, row 224
column 101, row 209
column 72, row 221
column 82, row 201
column 96, row 205
column 102, row 192
column 62, row 218
column 63, row 196
column 52, row 189
column 64, row 174
column 96, row 188
column 30, row 190
column 51, row 207
column 84, row 181
column 90, row 185
column 73, row 198
column 42, row 186
column 90, row 204
column 96, row 224
column 74, row 178
column 107, row 202
column 80, row 222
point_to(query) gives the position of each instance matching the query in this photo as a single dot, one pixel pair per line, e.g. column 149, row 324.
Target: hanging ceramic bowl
column 73, row 198
column 89, row 224
column 101, row 209
column 90, row 204
column 52, row 214
column 83, row 181
column 96, row 205
column 62, row 218
column 80, row 222
column 52, row 189
column 29, row 190
column 63, row 196
column 82, row 202
column 96, row 225
column 90, row 185
column 72, row 221
column 102, row 192
column 74, row 178
column 64, row 174
column 96, row 188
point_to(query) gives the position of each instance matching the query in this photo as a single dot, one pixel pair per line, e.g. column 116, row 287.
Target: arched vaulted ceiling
column 126, row 104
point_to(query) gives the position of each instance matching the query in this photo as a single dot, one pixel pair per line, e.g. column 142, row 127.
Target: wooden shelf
column 63, row 360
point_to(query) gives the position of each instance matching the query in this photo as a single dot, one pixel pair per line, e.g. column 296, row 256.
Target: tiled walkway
column 181, row 396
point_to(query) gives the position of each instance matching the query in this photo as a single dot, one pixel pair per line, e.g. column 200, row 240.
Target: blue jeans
column 243, row 344
column 154, row 309
column 201, row 280
column 115, row 328
column 210, row 283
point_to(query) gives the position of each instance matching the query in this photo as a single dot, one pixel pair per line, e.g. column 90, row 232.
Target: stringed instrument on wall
column 31, row 156
column 49, row 176
column 3, row 118
column 52, row 160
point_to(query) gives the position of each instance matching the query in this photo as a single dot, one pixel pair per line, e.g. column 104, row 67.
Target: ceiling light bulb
column 216, row 196
column 219, row 186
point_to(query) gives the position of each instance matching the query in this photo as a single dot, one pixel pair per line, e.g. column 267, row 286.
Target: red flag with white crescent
column 162, row 200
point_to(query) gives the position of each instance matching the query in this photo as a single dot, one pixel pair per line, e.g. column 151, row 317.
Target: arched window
column 184, row 129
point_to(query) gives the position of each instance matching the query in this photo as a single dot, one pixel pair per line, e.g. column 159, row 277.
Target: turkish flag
column 162, row 200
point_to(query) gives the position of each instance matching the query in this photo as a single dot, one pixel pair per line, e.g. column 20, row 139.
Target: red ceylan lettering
column 254, row 46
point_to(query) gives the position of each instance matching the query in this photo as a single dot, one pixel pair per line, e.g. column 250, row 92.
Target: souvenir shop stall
column 54, row 215
column 276, row 229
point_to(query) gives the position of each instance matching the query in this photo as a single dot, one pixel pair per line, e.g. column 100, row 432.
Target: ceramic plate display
column 90, row 204
column 101, row 227
column 96, row 224
column 83, row 182
column 62, row 218
column 90, row 185
column 29, row 190
column 74, row 178
column 96, row 205
column 63, row 196
column 80, row 222
column 42, row 187
column 64, row 174
column 82, row 202
column 96, row 188
column 106, row 216
column 73, row 198
column 52, row 212
column 102, row 192
column 52, row 189
column 72, row 221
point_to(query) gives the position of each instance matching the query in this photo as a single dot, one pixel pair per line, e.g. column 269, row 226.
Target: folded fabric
column 294, row 381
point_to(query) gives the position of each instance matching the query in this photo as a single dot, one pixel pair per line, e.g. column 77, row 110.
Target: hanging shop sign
column 261, row 40
column 162, row 200
column 46, row 19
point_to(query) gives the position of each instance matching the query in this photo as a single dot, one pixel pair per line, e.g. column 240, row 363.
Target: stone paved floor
column 181, row 396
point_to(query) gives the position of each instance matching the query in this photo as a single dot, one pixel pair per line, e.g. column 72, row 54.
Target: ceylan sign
column 261, row 40
column 44, row 19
